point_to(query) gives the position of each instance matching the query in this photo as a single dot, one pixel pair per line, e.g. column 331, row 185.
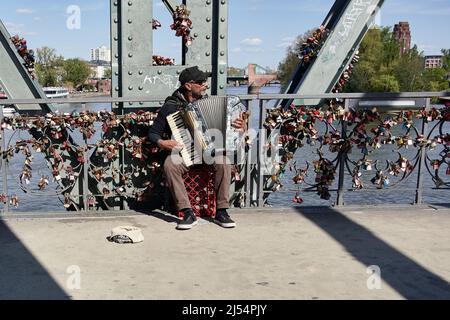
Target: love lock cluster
column 51, row 138
column 182, row 24
column 163, row 61
column 370, row 132
column 27, row 55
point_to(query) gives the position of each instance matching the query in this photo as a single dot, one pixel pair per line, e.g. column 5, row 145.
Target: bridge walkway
column 274, row 253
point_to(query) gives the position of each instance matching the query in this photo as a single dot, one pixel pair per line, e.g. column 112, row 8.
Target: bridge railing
column 302, row 150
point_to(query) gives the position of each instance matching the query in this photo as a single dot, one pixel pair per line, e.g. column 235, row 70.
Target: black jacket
column 160, row 128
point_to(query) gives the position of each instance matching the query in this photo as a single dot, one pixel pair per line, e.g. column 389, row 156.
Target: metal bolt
column 130, row 3
column 208, row 37
column 208, row 19
column 130, row 73
column 130, row 21
column 130, row 38
column 115, row 3
column 222, row 19
column 222, row 53
column 221, row 86
column 222, row 36
column 130, row 88
column 222, row 71
column 208, row 2
column 116, row 38
column 130, row 55
column 115, row 20
column 141, row 72
column 141, row 88
column 208, row 54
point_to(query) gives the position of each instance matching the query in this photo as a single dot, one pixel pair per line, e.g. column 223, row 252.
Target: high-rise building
column 101, row 54
column 403, row 35
column 433, row 62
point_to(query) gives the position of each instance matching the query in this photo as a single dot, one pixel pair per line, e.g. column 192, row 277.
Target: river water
column 48, row 201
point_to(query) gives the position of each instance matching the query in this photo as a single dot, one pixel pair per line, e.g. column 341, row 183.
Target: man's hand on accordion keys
column 241, row 122
column 170, row 145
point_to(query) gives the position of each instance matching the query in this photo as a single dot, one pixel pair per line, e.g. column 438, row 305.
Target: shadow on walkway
column 407, row 277
column 22, row 277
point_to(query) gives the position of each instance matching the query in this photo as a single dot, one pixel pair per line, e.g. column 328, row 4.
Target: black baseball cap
column 193, row 74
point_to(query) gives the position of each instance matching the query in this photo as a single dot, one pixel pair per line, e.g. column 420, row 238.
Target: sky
column 259, row 30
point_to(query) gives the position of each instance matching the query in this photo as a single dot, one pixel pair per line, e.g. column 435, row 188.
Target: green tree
column 76, row 71
column 108, row 74
column 48, row 66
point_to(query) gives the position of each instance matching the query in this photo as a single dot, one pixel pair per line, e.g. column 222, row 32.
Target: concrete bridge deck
column 304, row 253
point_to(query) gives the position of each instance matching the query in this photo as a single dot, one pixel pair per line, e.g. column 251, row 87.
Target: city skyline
column 261, row 39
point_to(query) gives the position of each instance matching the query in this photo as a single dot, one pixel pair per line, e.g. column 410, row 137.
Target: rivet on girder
column 195, row 35
column 159, row 72
column 130, row 21
column 116, row 55
column 115, row 3
column 115, row 20
column 141, row 72
column 222, row 71
column 130, row 88
column 141, row 88
column 208, row 54
column 130, row 55
column 222, row 53
column 221, row 86
column 141, row 103
column 222, row 36
column 178, row 71
column 130, row 3
column 117, row 88
column 208, row 2
column 116, row 38
column 116, row 73
column 130, row 73
column 208, row 19
column 208, row 37
column 130, row 103
column 222, row 19
column 130, row 38
column 223, row 2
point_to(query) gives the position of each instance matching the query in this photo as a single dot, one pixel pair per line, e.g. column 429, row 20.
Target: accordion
column 205, row 128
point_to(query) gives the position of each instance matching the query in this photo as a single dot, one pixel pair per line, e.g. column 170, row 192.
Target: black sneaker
column 223, row 219
column 189, row 220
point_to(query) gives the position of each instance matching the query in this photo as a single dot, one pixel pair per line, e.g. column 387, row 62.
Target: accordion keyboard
column 181, row 134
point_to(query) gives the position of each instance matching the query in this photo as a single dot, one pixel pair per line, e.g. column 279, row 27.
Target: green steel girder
column 133, row 73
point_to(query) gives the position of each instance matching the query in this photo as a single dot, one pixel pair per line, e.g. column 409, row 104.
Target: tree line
column 53, row 70
column 381, row 67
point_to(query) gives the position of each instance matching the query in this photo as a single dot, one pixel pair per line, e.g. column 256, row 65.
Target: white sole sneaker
column 186, row 226
column 225, row 225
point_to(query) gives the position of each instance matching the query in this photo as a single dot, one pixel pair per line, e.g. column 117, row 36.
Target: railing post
column 342, row 158
column 261, row 139
column 85, row 170
column 4, row 163
column 248, row 165
column 421, row 164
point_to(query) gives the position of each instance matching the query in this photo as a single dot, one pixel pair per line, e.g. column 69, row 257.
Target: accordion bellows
column 205, row 128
